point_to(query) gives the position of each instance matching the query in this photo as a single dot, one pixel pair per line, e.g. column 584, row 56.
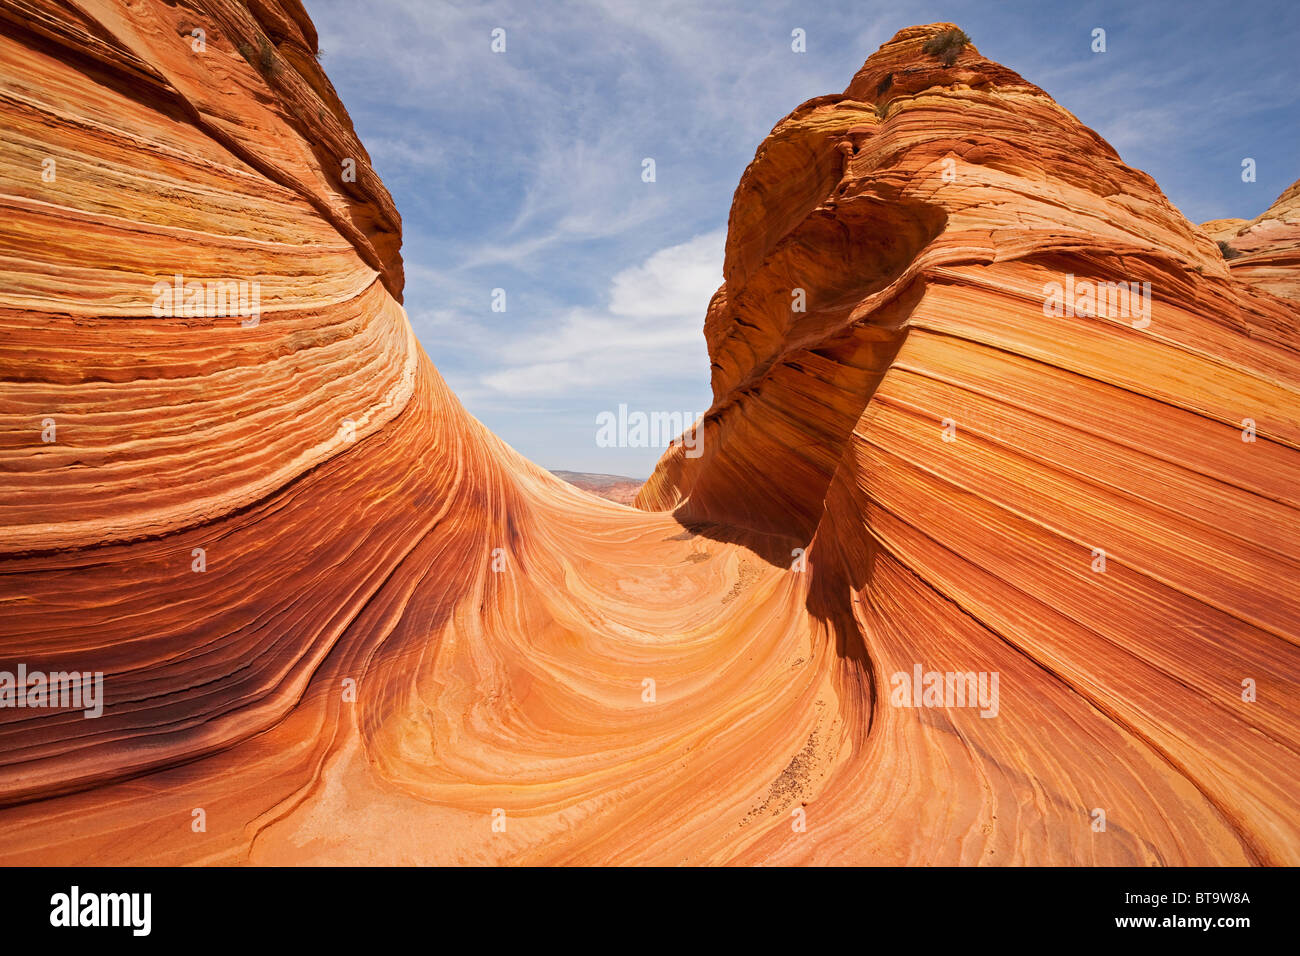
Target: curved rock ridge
column 338, row 621
column 955, row 457
column 1265, row 252
column 133, row 158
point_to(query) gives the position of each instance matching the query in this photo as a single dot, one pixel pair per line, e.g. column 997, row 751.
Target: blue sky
column 522, row 170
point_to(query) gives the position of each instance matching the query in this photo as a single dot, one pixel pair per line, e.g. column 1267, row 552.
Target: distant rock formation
column 614, row 487
column 1265, row 252
column 338, row 621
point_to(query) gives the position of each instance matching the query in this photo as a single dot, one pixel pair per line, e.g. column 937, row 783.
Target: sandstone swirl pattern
column 361, row 529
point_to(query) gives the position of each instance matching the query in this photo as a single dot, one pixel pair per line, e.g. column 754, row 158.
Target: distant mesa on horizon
column 614, row 487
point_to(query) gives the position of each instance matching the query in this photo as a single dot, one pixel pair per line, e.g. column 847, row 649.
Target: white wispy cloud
column 649, row 330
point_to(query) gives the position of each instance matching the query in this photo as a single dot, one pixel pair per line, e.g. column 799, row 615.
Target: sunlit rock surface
column 340, row 622
column 1265, row 252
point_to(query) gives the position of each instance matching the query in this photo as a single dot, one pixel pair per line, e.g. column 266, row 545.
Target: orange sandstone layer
column 340, row 622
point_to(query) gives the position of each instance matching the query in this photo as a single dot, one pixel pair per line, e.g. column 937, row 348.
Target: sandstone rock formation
column 1265, row 252
column 340, row 622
